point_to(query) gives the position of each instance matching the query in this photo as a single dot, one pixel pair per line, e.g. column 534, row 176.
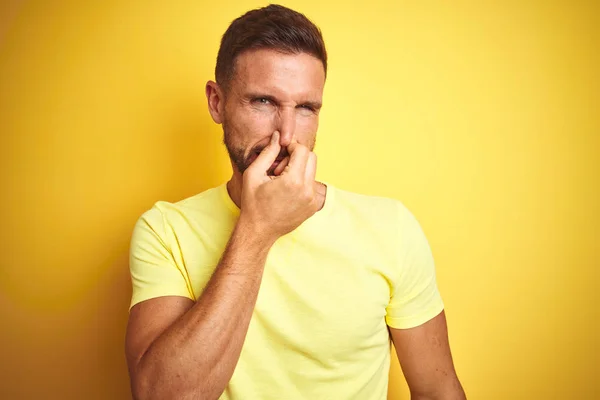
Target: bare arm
column 180, row 350
column 195, row 356
column 426, row 361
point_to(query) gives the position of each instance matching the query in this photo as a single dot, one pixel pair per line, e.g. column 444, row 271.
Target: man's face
column 271, row 91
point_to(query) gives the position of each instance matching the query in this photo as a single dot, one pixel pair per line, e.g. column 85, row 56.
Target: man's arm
column 180, row 350
column 426, row 361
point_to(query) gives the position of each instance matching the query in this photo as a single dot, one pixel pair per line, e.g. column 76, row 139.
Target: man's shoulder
column 378, row 208
column 208, row 203
column 366, row 202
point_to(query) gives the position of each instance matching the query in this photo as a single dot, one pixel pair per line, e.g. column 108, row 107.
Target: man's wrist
column 253, row 235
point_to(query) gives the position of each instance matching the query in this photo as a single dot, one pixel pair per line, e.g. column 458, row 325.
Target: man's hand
column 276, row 205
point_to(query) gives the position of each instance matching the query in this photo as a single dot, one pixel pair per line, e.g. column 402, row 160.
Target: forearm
column 454, row 396
column 450, row 390
column 196, row 356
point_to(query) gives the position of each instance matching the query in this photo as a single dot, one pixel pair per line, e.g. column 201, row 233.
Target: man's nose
column 286, row 125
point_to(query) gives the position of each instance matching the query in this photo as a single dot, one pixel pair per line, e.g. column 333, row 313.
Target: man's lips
column 276, row 162
column 274, row 165
column 279, row 158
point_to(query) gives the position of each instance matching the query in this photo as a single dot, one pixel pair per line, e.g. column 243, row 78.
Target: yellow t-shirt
column 329, row 289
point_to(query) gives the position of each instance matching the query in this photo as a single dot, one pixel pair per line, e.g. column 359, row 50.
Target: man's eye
column 307, row 107
column 262, row 100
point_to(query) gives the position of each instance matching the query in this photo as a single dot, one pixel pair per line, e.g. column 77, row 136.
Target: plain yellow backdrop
column 482, row 117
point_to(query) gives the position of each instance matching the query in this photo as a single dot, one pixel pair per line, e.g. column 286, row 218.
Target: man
column 274, row 285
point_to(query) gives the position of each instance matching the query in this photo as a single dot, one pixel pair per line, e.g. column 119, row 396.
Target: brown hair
column 273, row 27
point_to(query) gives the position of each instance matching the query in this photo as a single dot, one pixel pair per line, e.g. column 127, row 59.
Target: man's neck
column 234, row 188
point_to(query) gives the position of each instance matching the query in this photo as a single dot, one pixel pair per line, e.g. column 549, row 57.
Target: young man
column 274, row 285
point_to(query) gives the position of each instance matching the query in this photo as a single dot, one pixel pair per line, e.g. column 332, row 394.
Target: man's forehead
column 269, row 70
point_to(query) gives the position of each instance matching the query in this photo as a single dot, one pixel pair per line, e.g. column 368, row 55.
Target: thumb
column 266, row 157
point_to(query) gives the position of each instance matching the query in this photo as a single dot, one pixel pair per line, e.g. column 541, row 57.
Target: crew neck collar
column 323, row 212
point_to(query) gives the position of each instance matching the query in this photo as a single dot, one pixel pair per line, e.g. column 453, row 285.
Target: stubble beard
column 236, row 154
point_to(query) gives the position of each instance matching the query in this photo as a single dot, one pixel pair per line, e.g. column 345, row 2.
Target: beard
column 242, row 159
column 236, row 154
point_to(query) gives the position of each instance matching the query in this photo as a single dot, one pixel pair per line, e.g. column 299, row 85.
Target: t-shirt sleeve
column 154, row 272
column 415, row 297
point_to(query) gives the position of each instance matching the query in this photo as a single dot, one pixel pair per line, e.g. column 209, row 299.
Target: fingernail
column 275, row 137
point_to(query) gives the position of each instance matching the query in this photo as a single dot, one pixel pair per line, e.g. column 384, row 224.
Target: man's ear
column 216, row 101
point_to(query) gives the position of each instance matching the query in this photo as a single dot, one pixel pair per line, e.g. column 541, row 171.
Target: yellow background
column 482, row 119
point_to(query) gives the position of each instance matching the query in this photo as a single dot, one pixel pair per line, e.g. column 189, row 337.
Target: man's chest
column 328, row 303
column 326, row 295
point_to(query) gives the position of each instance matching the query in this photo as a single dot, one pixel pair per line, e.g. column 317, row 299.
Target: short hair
column 273, row 27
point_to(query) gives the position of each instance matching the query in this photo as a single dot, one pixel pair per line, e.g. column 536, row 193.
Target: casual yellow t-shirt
column 329, row 290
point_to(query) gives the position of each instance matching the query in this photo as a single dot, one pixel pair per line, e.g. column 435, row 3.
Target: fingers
column 299, row 155
column 266, row 157
column 281, row 166
column 310, row 173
